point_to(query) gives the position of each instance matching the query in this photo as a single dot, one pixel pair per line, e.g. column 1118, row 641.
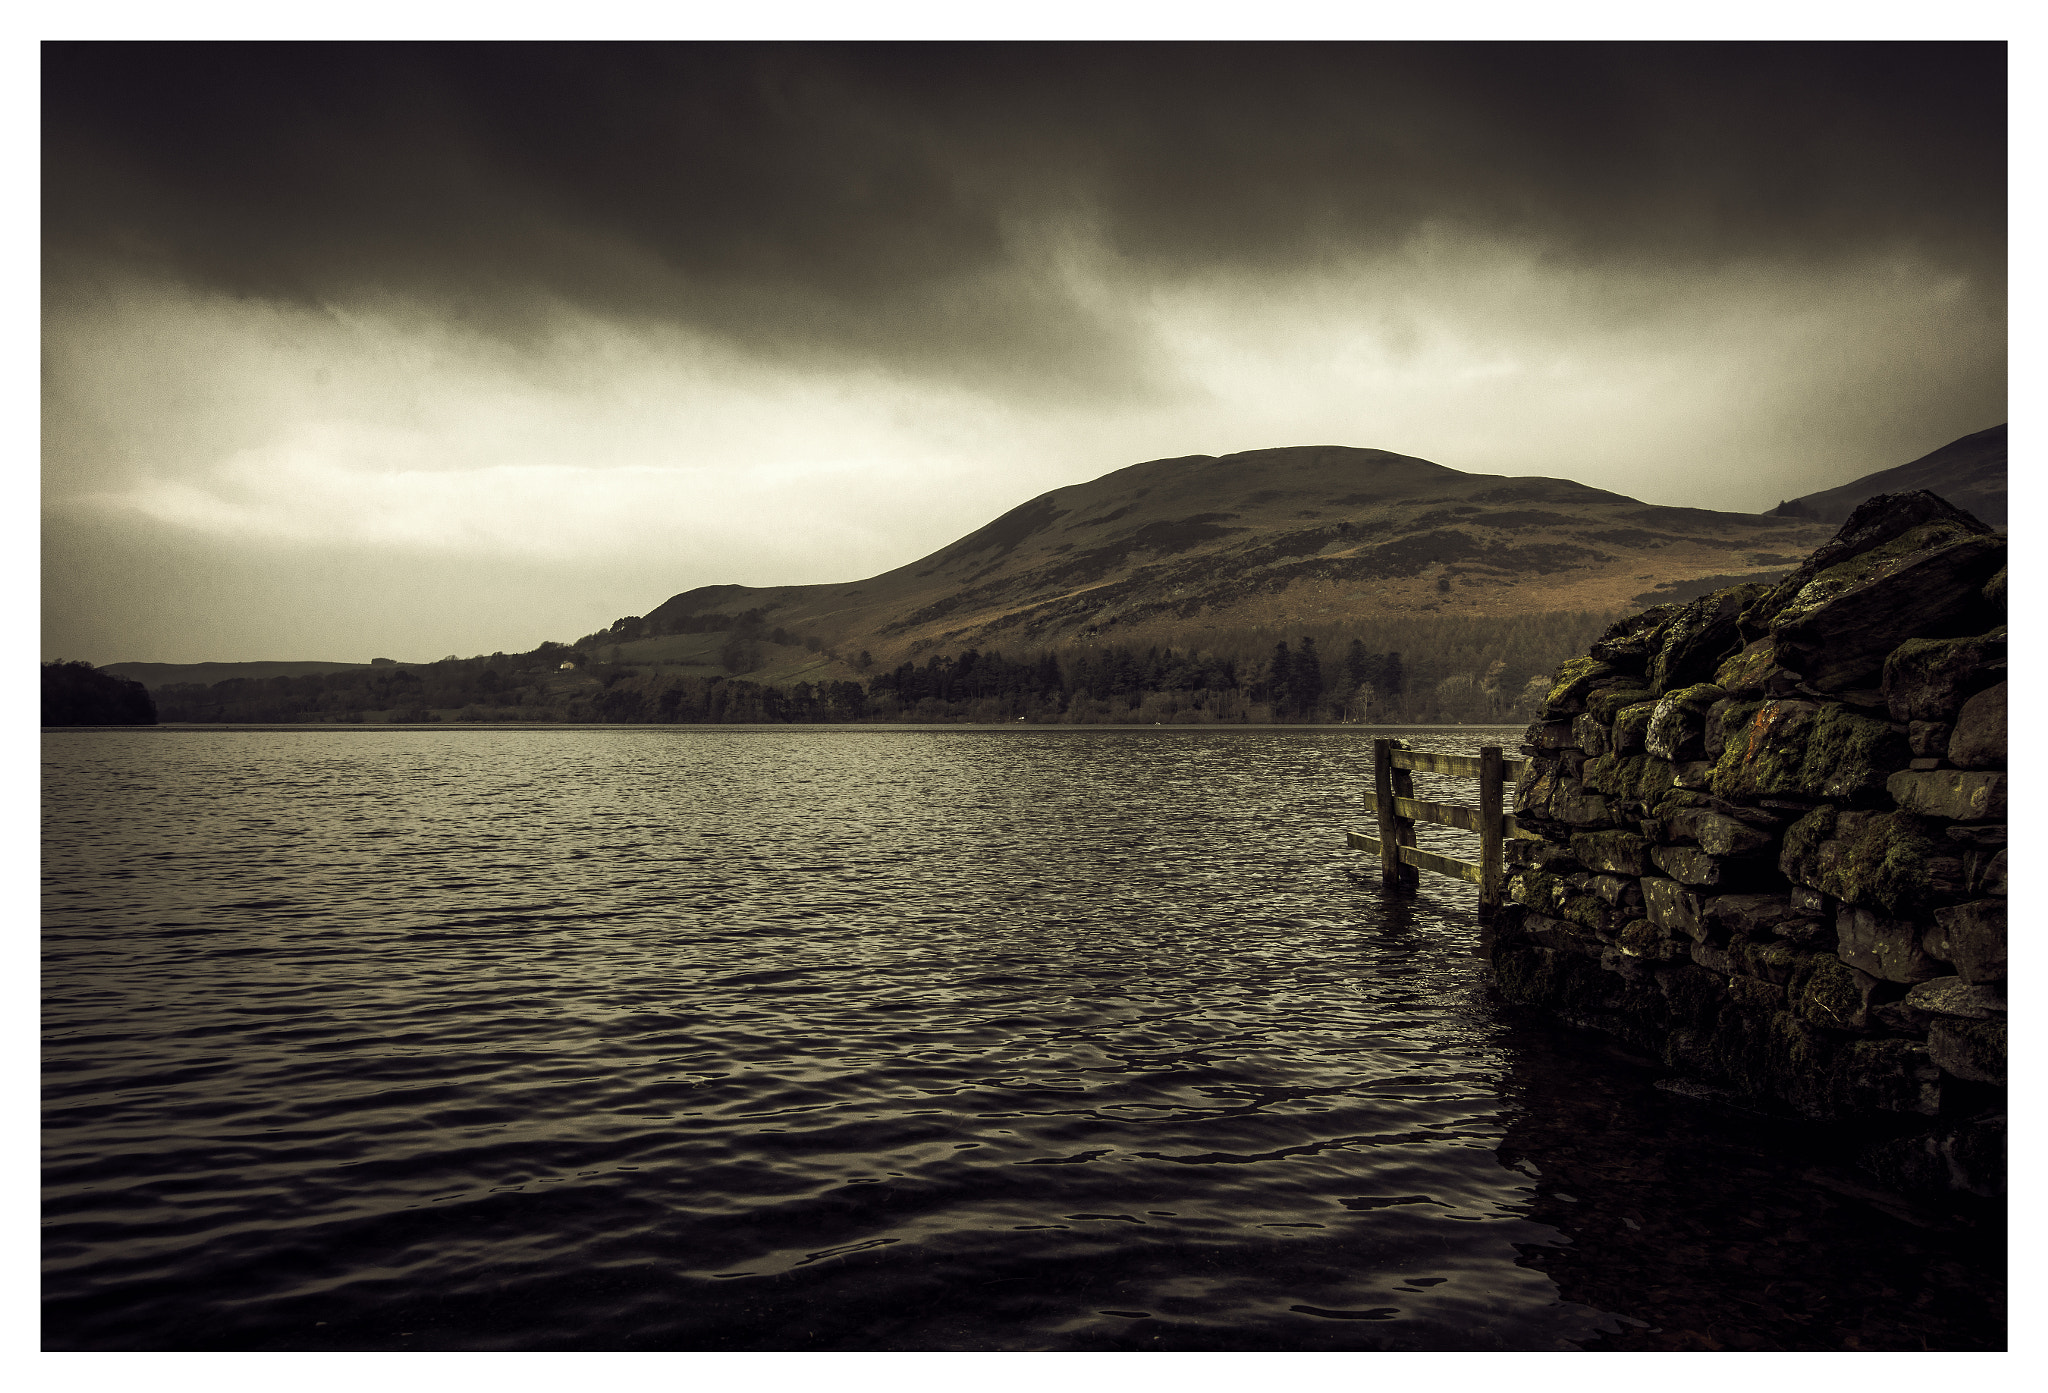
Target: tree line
column 1452, row 670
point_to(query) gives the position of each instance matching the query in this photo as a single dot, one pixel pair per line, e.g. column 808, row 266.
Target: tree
column 79, row 694
column 1307, row 684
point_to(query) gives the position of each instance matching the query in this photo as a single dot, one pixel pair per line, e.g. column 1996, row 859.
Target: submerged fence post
column 1395, row 831
column 1490, row 782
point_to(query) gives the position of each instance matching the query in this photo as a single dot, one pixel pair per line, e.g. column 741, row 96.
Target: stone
column 1952, row 996
column 1619, row 852
column 1928, row 738
column 1572, row 685
column 1979, row 738
column 1678, row 722
column 1748, row 673
column 1589, row 735
column 1967, row 1156
column 1700, row 636
column 1769, row 962
column 1870, row 524
column 1631, row 726
column 1928, row 679
column 1671, row 906
column 1549, row 735
column 1805, row 748
column 1920, row 764
column 1968, row 1049
column 1640, row 938
column 1808, row 901
column 1604, row 706
column 1901, row 1019
column 1712, row 958
column 1958, row 795
column 1693, row 774
column 1971, row 936
column 1753, row 915
column 1882, row 947
column 1691, row 866
column 1631, row 641
column 1885, row 1075
column 1990, row 879
column 1888, row 862
column 1837, row 631
column 1834, row 994
column 1724, row 836
column 1812, row 935
column 1750, row 994
column 1624, row 892
column 1579, row 808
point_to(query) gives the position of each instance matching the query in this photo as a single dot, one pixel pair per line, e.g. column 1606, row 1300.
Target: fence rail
column 1397, row 810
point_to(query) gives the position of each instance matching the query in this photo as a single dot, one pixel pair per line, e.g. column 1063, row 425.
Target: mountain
column 1969, row 473
column 1179, row 551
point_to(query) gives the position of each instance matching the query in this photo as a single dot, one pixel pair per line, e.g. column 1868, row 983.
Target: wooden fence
column 1393, row 799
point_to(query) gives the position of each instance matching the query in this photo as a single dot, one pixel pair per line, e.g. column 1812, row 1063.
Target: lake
column 868, row 1037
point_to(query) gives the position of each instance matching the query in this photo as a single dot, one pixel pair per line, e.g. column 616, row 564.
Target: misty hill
column 1969, row 473
column 1180, row 551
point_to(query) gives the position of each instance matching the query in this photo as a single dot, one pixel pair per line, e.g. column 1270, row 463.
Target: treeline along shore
column 1453, row 670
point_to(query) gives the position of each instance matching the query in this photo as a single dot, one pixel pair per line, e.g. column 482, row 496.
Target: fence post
column 1395, row 831
column 1490, row 781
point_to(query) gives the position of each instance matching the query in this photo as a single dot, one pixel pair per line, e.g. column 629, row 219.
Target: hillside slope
column 1969, row 473
column 1174, row 550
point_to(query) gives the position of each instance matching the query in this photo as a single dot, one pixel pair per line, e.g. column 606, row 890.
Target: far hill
column 1185, row 551
column 1969, row 473
column 155, row 675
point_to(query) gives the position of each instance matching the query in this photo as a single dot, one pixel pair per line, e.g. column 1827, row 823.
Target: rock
column 1838, row 629
column 1748, row 673
column 1808, row 901
column 1972, row 936
column 1835, row 995
column 1979, row 738
column 1967, row 1156
column 1572, row 685
column 1750, row 994
column 1952, row 996
column 1589, row 735
column 1928, row 679
column 1990, row 879
column 1885, row 861
column 1640, row 938
column 1810, row 749
column 1691, row 866
column 1604, row 706
column 1678, row 722
column 1885, row 1075
column 1700, row 636
column 1769, row 962
column 1993, row 595
column 1631, row 726
column 1670, row 906
column 1901, row 1019
column 1887, row 948
column 1928, row 737
column 1812, row 935
column 1960, row 796
column 1619, row 852
column 1754, row 915
column 1724, row 836
column 1693, row 773
column 1871, row 524
column 1712, row 958
column 1968, row 1049
column 1549, row 735
column 1631, row 641
column 1575, row 806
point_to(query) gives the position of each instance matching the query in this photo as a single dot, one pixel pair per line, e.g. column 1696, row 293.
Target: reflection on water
column 863, row 1038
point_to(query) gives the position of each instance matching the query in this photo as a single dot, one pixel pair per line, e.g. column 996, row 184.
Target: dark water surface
column 865, row 1038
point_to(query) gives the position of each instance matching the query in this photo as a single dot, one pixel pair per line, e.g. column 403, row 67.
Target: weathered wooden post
column 1396, row 831
column 1490, row 829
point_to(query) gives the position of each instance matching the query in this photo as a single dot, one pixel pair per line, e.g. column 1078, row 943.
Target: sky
column 403, row 351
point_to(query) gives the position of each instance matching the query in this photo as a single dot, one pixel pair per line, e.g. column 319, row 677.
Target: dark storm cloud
column 907, row 202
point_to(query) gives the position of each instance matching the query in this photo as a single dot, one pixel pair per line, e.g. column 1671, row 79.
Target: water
column 865, row 1038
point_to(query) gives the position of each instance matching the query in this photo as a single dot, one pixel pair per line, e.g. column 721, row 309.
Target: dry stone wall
column 1772, row 842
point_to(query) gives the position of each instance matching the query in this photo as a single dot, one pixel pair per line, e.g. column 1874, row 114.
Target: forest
column 1411, row 671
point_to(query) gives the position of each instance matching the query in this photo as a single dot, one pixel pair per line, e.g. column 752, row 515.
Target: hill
column 1197, row 550
column 156, row 674
column 1969, row 473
